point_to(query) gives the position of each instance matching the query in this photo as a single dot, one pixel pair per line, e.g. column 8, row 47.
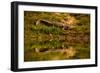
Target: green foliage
column 45, row 29
column 54, row 44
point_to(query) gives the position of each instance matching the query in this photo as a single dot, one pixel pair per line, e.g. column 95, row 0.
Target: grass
column 45, row 29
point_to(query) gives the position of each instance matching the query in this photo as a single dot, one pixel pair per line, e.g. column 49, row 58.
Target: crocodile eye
column 66, row 28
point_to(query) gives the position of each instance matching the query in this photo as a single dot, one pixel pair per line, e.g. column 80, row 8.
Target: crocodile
column 53, row 23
